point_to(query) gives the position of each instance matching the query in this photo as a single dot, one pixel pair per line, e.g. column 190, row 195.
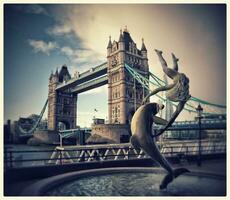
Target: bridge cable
column 36, row 123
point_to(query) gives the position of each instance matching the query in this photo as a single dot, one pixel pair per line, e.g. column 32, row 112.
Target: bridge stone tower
column 124, row 93
column 61, row 105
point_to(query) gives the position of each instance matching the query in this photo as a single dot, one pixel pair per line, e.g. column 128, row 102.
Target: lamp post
column 199, row 110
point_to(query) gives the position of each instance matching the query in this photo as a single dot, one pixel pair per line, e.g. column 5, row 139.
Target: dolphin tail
column 177, row 172
column 169, row 177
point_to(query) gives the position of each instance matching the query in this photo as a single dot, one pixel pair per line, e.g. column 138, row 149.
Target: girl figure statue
column 178, row 91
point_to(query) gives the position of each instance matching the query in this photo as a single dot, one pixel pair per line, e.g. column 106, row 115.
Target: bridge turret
column 62, row 104
column 122, row 98
column 56, row 73
column 51, row 75
column 52, row 96
column 121, row 42
column 54, row 77
column 109, row 47
column 143, row 49
column 144, row 56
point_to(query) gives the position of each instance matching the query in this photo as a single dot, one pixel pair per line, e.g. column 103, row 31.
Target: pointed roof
column 127, row 39
column 56, row 73
column 143, row 48
column 64, row 74
column 110, row 43
column 51, row 75
column 121, row 38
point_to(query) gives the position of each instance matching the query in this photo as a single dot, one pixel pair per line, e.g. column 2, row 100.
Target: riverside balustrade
column 106, row 152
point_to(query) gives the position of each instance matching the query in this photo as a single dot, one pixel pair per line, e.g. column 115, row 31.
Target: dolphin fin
column 134, row 142
column 159, row 120
column 169, row 177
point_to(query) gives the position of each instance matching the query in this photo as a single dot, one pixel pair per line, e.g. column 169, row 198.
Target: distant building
column 98, row 121
column 194, row 134
column 26, row 123
column 7, row 133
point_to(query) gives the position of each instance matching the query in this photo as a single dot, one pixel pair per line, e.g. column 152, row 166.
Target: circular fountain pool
column 131, row 182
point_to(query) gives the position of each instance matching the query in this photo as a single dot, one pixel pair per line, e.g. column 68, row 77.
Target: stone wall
column 44, row 137
column 111, row 131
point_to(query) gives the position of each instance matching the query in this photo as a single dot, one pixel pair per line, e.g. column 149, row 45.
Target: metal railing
column 89, row 153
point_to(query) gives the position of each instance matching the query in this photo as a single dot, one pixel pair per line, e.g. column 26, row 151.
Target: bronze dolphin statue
column 141, row 128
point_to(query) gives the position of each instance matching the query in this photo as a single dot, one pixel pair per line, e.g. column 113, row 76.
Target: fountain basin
column 127, row 182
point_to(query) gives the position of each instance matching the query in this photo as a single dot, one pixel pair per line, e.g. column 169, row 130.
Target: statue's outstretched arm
column 162, row 88
column 175, row 60
column 171, row 73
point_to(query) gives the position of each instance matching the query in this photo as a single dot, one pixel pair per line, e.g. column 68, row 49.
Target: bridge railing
column 100, row 153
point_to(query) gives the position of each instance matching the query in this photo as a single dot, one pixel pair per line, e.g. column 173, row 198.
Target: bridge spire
column 51, row 75
column 143, row 48
column 121, row 38
column 110, row 43
column 56, row 73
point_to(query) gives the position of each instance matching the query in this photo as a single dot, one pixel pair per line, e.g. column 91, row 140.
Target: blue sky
column 41, row 38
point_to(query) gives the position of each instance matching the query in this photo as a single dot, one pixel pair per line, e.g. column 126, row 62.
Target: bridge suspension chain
column 157, row 82
column 35, row 124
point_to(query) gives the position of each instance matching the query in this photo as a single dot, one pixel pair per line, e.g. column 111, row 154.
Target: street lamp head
column 199, row 110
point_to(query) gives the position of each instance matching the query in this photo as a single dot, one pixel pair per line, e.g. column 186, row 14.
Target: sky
column 39, row 38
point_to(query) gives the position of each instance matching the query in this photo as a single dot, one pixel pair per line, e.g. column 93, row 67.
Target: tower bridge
column 122, row 100
column 126, row 72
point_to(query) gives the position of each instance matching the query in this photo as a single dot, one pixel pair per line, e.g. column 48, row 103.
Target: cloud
column 42, row 46
column 83, row 58
column 59, row 30
column 32, row 8
column 67, row 51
